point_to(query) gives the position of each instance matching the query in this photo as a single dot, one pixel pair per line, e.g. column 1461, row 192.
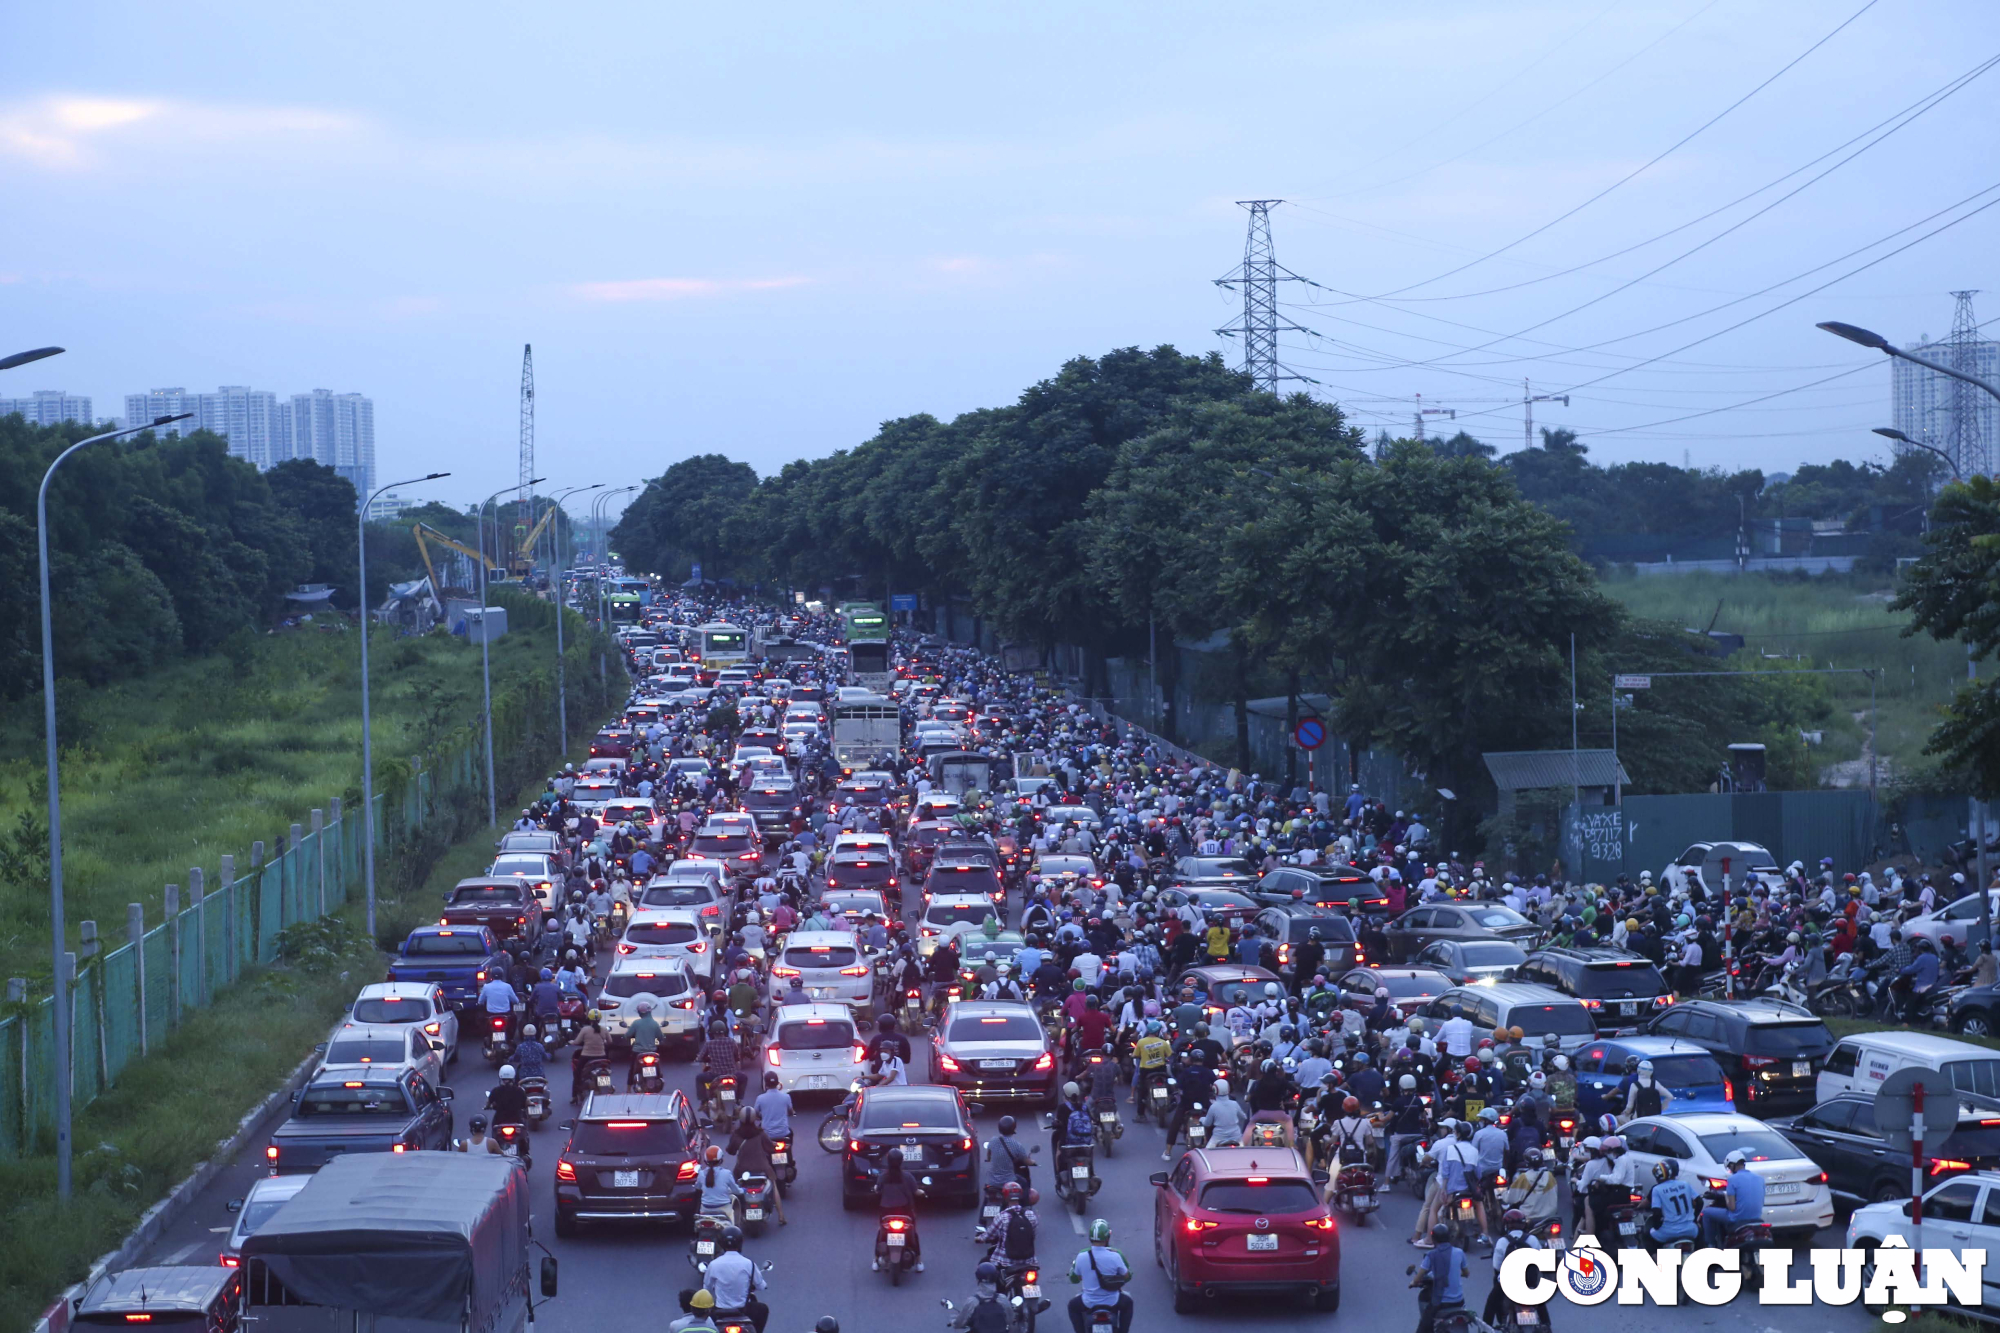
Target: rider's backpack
column 988, row 1316
column 1080, row 1128
column 1019, row 1242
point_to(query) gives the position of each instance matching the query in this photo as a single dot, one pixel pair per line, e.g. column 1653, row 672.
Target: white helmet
column 506, row 1073
column 1272, row 990
column 1538, row 1080
column 1408, row 1083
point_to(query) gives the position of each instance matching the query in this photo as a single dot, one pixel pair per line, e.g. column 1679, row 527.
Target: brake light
column 861, row 971
column 965, row 1145
column 1197, row 1225
column 860, row 1054
column 1728, row 1091
column 781, row 970
column 399, row 1147
column 565, row 1169
column 687, row 1171
column 1046, row 1063
column 231, row 1261
column 946, row 1063
column 698, row 946
column 771, row 1052
column 138, row 1319
column 481, row 976
column 1939, row 1166
column 271, row 1153
column 896, row 1224
column 499, row 1025
column 1320, row 1223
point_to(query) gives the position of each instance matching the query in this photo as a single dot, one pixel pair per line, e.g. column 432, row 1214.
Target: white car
column 875, row 844
column 830, row 966
column 1961, row 1214
column 267, row 1195
column 390, row 1045
column 952, row 914
column 667, row 984
column 814, row 1048
column 420, row 1002
column 1796, row 1196
column 698, row 889
column 1959, row 919
column 673, row 932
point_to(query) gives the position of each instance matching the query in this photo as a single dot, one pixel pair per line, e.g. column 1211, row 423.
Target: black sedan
column 932, row 1128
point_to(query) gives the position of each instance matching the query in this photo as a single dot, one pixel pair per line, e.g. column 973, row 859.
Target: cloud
column 677, row 289
column 71, row 133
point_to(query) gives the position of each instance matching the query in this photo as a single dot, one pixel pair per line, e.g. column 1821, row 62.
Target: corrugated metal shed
column 1527, row 770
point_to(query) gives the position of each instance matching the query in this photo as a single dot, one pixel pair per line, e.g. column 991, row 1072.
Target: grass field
column 1822, row 622
column 204, row 758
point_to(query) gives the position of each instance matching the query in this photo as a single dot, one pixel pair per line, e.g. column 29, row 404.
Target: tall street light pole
column 486, row 640
column 59, row 1005
column 367, row 733
column 1890, row 432
column 604, row 561
column 561, row 561
column 23, row 358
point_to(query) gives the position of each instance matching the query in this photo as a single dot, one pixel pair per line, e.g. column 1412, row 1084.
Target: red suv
column 1245, row 1220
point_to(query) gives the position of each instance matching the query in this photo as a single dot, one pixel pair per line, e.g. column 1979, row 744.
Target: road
column 623, row 1279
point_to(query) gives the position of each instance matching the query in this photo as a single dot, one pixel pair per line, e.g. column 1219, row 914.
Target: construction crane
column 523, row 562
column 422, row 531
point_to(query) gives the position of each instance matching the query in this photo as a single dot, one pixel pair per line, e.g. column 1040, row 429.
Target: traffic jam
column 1092, row 1031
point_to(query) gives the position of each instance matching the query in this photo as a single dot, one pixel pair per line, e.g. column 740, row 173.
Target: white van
column 1860, row 1063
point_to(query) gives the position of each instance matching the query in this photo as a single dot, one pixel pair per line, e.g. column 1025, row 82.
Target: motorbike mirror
column 768, row 1265
column 1034, row 1150
column 1048, row 1119
column 437, row 1044
column 235, row 1205
column 977, row 1108
column 548, row 1276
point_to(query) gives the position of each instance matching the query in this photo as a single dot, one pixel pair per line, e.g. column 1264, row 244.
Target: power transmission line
column 1259, row 276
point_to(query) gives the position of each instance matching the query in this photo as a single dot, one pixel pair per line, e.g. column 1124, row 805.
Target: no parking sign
column 1310, row 733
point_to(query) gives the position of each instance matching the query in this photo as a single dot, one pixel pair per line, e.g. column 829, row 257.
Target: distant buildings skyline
column 49, row 407
column 333, row 429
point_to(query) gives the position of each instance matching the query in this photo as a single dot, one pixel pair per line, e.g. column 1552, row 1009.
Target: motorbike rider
column 1013, row 1232
column 1458, row 1171
column 719, row 1187
column 1674, row 1200
column 499, row 999
column 507, row 1101
column 478, row 1140
column 1646, row 1096
column 897, row 1196
column 1353, row 1135
column 1149, row 1059
column 531, row 1057
column 1742, row 1201
column 1610, row 1188
column 720, row 1055
column 1440, row 1278
column 1103, row 1273
column 1006, row 1155
column 592, row 1047
column 645, row 1037
column 700, row 1317
column 751, row 1146
column 1535, row 1189
column 1409, row 1120
column 774, row 1108
column 1225, row 1118
column 984, row 1311
column 734, row 1281
column 1514, row 1231
column 1073, row 1127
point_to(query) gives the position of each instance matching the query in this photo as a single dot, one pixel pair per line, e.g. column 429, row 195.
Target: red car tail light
column 565, row 1169
column 1320, row 1223
column 1197, row 1225
column 231, row 1261
column 687, row 1171
column 1046, row 1063
column 946, row 1063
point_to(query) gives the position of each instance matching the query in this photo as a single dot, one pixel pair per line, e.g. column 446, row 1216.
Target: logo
column 1263, row 1224
column 1889, row 1275
column 1587, row 1276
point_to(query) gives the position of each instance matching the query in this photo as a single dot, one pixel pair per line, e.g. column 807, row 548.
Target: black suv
column 1292, row 923
column 630, row 1157
column 1332, row 885
column 1622, row 989
column 1860, row 1162
column 932, row 1128
column 1769, row 1050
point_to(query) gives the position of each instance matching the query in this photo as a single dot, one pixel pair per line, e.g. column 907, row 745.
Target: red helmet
column 1011, row 1191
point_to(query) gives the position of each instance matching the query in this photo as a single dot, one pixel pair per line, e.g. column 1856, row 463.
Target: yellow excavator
column 523, row 562
column 423, row 531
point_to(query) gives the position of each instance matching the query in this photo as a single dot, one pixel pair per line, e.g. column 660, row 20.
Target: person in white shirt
column 1089, row 968
column 1455, row 1035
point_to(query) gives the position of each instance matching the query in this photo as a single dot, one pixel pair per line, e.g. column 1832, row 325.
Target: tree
column 691, row 514
column 1953, row 592
column 323, row 503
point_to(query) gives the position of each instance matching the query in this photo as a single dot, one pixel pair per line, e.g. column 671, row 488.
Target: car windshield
column 1067, row 865
column 662, row 932
column 1565, row 1020
column 619, row 814
column 444, row 943
column 1757, row 1144
column 628, row 1138
column 1788, row 1039
column 1407, row 987
column 820, row 955
column 952, row 914
column 963, row 879
column 1979, row 1077
column 391, row 1009
column 1496, row 918
column 979, row 947
column 625, row 985
column 852, row 904
column 995, row 1027
column 486, row 893
column 1686, row 1071
column 920, row 1113
column 1259, row 1196
column 372, row 1099
column 1219, row 867
column 366, row 1051
column 816, row 1034
column 677, row 895
column 1490, row 955
column 1638, row 979
column 520, row 865
column 1335, row 928
column 256, row 1213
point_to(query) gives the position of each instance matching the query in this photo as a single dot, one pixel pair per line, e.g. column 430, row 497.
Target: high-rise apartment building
column 1926, row 406
column 338, row 431
column 263, row 429
column 48, row 407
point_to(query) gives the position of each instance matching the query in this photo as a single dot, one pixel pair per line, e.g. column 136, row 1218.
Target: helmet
column 506, row 1073
column 1593, row 1143
column 1441, row 1233
column 1100, row 1232
column 1562, row 1063
column 771, row 1080
column 732, row 1238
column 1514, row 1219
column 895, row 1157
column 1072, row 1091
column 1006, row 1124
column 1608, row 1123
column 1491, row 1115
column 702, row 1299
column 987, row 1273
column 1381, row 992
column 1011, row 1191
column 1631, row 1064
column 527, row 1031
column 1616, row 1143
column 478, row 1124
column 1352, row 1106
column 1408, row 1083
column 1222, row 1087
column 1532, row 1157
column 645, row 1007
column 713, row 1154
column 826, row 1324
column 593, row 1016
column 887, row 1023
column 1538, row 1080
column 1272, row 990
column 1735, row 1159
column 1645, row 1068
column 1666, row 1169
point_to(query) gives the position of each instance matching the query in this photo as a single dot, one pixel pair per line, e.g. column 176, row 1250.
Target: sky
column 762, row 232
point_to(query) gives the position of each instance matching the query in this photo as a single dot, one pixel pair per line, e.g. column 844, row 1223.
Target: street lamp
column 604, row 560
column 23, row 358
column 59, row 1006
column 1890, row 432
column 1868, row 338
column 486, row 639
column 562, row 695
column 367, row 734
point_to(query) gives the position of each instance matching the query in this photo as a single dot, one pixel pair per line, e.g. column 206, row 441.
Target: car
column 629, row 1157
column 1975, row 1011
column 1686, row 1071
column 385, row 1045
column 266, row 1196
column 1055, row 869
column 771, row 799
column 1228, row 905
column 1860, row 1062
column 457, row 962
column 1293, row 923
column 532, row 840
column 1965, row 1209
column 385, row 1002
column 693, row 770
column 861, row 870
column 951, row 914
column 1622, row 990
column 671, row 932
column 1332, row 885
column 854, row 905
column 1862, row 1165
column 590, row 795
column 1245, row 1221
column 855, row 841
column 1536, row 1010
column 1212, row 872
column 830, row 966
column 976, row 949
column 700, row 892
column 1221, row 986
column 740, row 851
column 1959, row 920
column 1796, row 1197
column 814, row 1048
column 868, row 789
column 1467, row 961
column 930, row 1124
column 504, row 906
column 1069, row 814
column 1768, row 1049
column 669, row 984
column 1410, row 988
column 378, row 1109
column 1712, row 862
column 963, row 877
column 638, row 811
column 994, row 1050
column 1420, row 927
column 541, row 871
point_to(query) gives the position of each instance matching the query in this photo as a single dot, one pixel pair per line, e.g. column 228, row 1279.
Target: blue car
column 1686, row 1071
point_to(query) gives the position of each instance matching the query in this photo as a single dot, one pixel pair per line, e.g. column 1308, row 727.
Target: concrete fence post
column 257, row 901
column 343, row 869
column 229, row 916
column 319, row 856
column 135, row 931
column 69, row 989
column 198, row 900
column 171, row 905
column 298, row 835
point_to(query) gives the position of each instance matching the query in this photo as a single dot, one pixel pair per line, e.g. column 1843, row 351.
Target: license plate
column 1801, row 1068
column 1031, row 1290
column 1263, row 1242
column 1527, row 1318
column 1779, row 1191
column 754, row 1214
column 1364, row 1201
column 1107, row 1117
column 1627, row 1010
column 996, row 1064
column 822, row 992
column 897, row 1239
column 728, row 1094
column 1079, row 1172
column 780, row 1158
column 1159, row 1094
column 1628, row 1228
column 990, row 1210
column 704, row 1247
column 625, row 1180
column 1564, row 1140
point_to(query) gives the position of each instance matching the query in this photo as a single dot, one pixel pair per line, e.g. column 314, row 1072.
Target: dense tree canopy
column 1954, row 593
